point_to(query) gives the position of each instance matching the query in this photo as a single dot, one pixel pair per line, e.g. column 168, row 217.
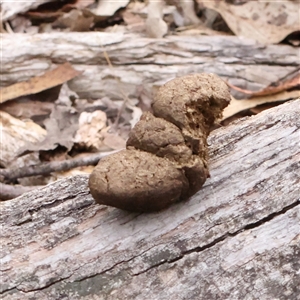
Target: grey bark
column 237, row 238
column 141, row 64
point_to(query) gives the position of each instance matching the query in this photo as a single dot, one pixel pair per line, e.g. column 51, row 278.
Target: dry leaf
column 108, row 8
column 20, row 24
column 89, row 135
column 36, row 107
column 156, row 27
column 136, row 115
column 93, row 133
column 267, row 22
column 37, row 84
column 27, row 109
column 113, row 141
column 15, row 134
column 237, row 106
column 189, row 14
column 74, row 20
column 44, row 15
column 66, row 96
column 130, row 18
column 134, row 21
column 272, row 89
column 82, row 3
column 61, row 128
column 11, row 8
column 136, row 111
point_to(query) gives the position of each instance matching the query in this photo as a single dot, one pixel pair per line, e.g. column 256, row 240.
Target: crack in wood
column 225, row 236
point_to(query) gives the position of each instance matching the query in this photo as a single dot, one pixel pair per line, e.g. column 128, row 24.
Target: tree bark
column 141, row 64
column 237, row 238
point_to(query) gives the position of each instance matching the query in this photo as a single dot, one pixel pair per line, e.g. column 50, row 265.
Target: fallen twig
column 8, row 191
column 54, row 166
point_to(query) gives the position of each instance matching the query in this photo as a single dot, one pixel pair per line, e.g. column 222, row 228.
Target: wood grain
column 141, row 64
column 237, row 238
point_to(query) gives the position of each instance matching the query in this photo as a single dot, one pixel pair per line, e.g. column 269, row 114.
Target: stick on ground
column 54, row 166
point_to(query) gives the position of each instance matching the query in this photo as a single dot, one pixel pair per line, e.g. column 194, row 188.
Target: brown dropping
column 137, row 181
column 166, row 159
column 193, row 103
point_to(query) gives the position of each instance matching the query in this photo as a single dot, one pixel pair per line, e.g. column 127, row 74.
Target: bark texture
column 143, row 64
column 237, row 238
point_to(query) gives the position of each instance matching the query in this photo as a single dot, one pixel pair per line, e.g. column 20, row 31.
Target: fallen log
column 237, row 238
column 142, row 64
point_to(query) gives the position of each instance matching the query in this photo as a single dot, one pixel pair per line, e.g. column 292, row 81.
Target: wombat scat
column 166, row 156
column 134, row 180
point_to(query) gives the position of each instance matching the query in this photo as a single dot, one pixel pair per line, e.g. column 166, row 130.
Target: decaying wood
column 237, row 238
column 142, row 64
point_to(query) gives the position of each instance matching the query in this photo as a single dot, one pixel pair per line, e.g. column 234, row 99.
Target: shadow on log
column 237, row 238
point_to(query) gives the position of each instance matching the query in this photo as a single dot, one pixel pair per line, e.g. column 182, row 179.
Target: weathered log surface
column 142, row 64
column 237, row 238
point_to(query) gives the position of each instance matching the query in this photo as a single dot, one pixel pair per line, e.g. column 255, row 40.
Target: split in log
column 237, row 238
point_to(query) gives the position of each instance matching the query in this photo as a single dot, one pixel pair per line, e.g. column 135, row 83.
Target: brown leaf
column 156, row 27
column 15, row 134
column 237, row 106
column 272, row 89
column 36, row 107
column 89, row 134
column 74, row 20
column 37, row 84
column 113, row 141
column 188, row 13
column 132, row 19
column 27, row 109
column 82, row 3
column 61, row 128
column 44, row 15
column 108, row 8
column 264, row 21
